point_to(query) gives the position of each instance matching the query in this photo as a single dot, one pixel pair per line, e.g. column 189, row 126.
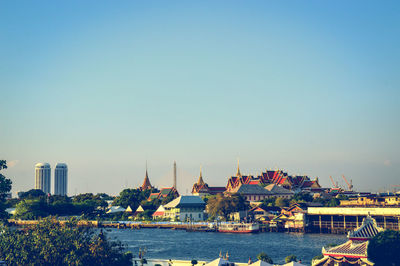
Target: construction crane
column 333, row 183
column 349, row 185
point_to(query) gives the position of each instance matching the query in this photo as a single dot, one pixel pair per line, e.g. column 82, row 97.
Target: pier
column 339, row 220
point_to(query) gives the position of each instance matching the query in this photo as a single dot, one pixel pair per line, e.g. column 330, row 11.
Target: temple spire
column 146, row 182
column 238, row 170
column 200, row 182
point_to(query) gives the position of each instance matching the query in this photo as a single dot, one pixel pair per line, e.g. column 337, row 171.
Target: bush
column 264, row 257
column 383, row 249
column 290, row 258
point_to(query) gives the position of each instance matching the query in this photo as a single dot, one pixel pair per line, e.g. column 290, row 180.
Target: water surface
column 179, row 244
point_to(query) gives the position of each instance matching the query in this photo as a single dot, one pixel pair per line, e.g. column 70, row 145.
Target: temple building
column 296, row 183
column 146, row 182
column 354, row 251
column 164, row 192
column 202, row 189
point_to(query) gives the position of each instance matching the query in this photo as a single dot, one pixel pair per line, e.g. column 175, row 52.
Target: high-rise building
column 43, row 177
column 61, row 179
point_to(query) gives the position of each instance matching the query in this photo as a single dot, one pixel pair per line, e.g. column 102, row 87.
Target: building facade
column 185, row 208
column 43, row 177
column 61, row 179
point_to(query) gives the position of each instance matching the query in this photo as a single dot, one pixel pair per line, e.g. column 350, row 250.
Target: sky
column 309, row 87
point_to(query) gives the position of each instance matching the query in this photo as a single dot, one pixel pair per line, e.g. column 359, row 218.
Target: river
column 179, row 244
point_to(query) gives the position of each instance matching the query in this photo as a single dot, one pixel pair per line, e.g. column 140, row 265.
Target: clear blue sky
column 312, row 87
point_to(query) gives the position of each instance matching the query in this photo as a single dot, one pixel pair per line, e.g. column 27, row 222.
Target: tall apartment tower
column 43, row 177
column 60, row 179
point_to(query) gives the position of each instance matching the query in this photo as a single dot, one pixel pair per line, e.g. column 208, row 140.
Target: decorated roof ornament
column 366, row 231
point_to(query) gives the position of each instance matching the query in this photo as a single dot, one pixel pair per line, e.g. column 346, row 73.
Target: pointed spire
column 146, row 182
column 200, row 181
column 238, row 170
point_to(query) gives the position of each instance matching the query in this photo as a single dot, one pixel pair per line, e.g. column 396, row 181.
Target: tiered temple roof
column 354, row 251
column 202, row 187
column 146, row 182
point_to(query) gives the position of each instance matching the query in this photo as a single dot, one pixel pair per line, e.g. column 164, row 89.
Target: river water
column 179, row 244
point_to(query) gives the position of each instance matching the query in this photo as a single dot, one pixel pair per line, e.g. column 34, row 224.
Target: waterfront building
column 43, row 177
column 164, row 192
column 372, row 201
column 185, row 208
column 202, row 189
column 115, row 209
column 354, row 251
column 252, row 192
column 61, row 179
column 343, row 219
column 159, row 213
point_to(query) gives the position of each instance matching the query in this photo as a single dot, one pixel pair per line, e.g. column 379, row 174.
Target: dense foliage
column 50, row 243
column 5, row 187
column 290, row 258
column 384, row 248
column 223, row 206
column 35, row 204
column 131, row 197
column 264, row 257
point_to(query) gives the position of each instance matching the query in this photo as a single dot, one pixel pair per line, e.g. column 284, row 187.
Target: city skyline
column 311, row 88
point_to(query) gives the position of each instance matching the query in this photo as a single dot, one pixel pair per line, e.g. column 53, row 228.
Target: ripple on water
column 179, row 244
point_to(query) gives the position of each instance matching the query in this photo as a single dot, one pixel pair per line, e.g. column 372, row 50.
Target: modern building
column 61, row 179
column 43, row 177
column 185, row 208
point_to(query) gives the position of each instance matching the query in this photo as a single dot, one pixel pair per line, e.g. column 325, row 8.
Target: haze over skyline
column 308, row 87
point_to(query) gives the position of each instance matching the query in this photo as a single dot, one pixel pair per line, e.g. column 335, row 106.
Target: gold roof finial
column 238, row 170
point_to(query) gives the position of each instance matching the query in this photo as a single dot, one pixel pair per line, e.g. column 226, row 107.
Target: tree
column 5, row 188
column 131, row 197
column 223, row 206
column 281, row 202
column 290, row 258
column 302, row 197
column 264, row 257
column 383, row 249
column 32, row 194
column 52, row 243
column 193, row 262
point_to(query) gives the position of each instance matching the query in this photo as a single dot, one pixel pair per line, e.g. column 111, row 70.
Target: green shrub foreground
column 52, row 243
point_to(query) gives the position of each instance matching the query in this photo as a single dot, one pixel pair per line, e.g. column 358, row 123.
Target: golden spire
column 200, row 182
column 238, row 170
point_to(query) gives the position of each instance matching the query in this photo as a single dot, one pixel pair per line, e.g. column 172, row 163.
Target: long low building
column 337, row 219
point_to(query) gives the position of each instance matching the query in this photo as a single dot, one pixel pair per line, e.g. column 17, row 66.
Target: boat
column 238, row 228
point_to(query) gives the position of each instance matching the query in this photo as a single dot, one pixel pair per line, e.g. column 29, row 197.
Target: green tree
column 51, row 243
column 193, row 262
column 32, row 194
column 383, row 249
column 334, row 202
column 31, row 209
column 302, row 197
column 281, row 202
column 131, row 197
column 290, row 258
column 5, row 188
column 223, row 206
column 264, row 257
